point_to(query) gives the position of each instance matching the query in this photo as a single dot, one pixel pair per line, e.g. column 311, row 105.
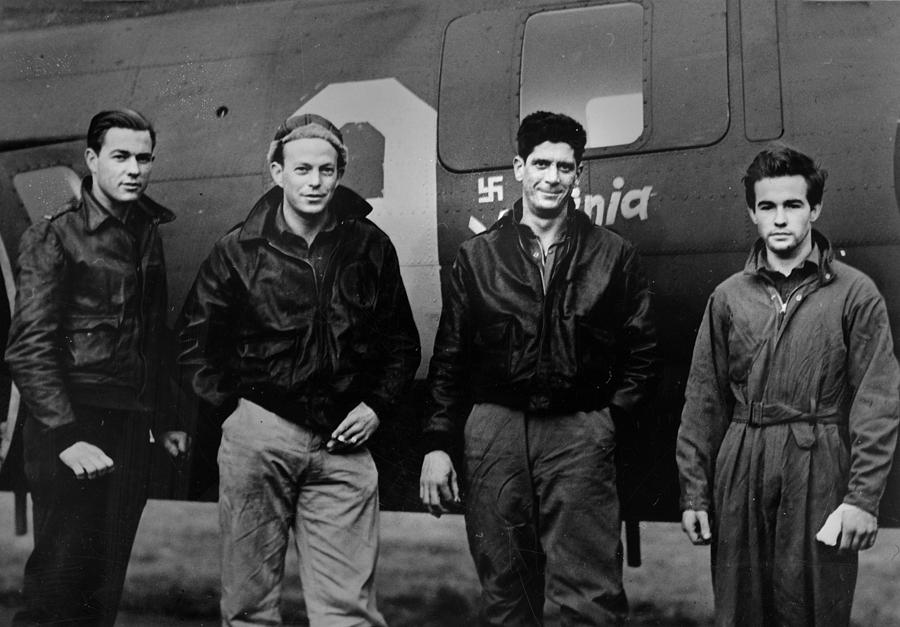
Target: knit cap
column 306, row 125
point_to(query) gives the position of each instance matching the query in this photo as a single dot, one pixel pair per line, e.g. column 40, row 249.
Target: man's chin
column 549, row 211
column 784, row 251
column 126, row 197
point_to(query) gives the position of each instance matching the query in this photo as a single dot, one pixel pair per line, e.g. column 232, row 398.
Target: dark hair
column 779, row 160
column 542, row 126
column 117, row 118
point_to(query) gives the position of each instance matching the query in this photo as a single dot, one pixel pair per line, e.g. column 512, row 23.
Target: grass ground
column 425, row 577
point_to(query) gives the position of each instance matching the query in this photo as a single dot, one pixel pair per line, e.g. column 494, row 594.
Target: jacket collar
column 260, row 223
column 820, row 243
column 95, row 214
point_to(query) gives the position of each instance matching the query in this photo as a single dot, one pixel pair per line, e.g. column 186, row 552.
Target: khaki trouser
column 274, row 476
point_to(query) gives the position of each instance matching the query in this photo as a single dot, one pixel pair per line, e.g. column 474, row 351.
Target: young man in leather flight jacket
column 545, row 350
column 86, row 348
column 298, row 329
column 790, row 416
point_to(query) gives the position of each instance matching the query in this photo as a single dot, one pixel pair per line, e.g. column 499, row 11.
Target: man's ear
column 752, row 212
column 519, row 167
column 815, row 212
column 277, row 171
column 90, row 159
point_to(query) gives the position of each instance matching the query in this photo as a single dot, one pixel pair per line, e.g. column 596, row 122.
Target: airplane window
column 47, row 190
column 588, row 63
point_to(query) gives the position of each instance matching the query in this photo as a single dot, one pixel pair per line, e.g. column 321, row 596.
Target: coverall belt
column 759, row 414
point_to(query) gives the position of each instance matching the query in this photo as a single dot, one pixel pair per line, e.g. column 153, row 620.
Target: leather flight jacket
column 585, row 343
column 260, row 323
column 89, row 325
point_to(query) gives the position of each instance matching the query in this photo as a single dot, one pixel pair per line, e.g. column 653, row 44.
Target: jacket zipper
column 324, row 353
column 554, row 271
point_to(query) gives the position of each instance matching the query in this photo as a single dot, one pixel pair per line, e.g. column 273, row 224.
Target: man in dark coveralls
column 790, row 416
column 544, row 354
column 85, row 350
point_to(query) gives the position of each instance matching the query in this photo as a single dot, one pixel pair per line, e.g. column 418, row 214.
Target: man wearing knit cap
column 299, row 337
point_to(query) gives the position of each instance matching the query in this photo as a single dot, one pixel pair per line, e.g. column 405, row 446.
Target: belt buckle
column 756, row 410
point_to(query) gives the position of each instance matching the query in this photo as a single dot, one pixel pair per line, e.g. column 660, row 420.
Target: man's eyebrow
column 122, row 151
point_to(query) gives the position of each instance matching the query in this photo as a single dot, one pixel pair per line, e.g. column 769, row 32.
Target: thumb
column 705, row 532
column 454, row 485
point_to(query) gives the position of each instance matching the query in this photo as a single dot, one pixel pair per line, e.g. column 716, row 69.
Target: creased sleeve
column 874, row 377
column 707, row 409
column 36, row 340
column 639, row 371
column 447, row 373
column 396, row 336
column 204, row 333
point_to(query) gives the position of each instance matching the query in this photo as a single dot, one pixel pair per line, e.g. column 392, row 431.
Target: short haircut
column 780, row 160
column 543, row 126
column 117, row 118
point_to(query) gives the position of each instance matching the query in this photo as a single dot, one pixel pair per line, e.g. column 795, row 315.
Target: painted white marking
column 12, row 411
column 408, row 210
column 629, row 204
column 490, row 189
column 476, row 225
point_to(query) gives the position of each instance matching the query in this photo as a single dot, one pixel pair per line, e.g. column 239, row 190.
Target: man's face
column 782, row 214
column 121, row 171
column 309, row 175
column 548, row 175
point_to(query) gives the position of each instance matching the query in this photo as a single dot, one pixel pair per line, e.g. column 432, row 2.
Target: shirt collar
column 814, row 257
column 525, row 231
column 282, row 230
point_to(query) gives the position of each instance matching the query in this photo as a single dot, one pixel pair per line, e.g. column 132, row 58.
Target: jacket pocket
column 267, row 359
column 595, row 349
column 493, row 347
column 92, row 342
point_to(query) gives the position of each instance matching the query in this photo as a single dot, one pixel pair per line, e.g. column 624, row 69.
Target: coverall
column 791, row 408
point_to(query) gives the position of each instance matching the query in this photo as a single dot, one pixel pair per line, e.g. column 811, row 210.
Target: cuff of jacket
column 215, row 415
column 438, row 441
column 696, row 503
column 863, row 502
column 61, row 437
column 381, row 407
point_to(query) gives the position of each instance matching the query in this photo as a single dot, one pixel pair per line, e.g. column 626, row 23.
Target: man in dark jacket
column 298, row 329
column 85, row 347
column 790, row 416
column 544, row 354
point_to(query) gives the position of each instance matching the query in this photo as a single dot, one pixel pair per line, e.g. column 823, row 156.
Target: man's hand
column 355, row 430
column 87, row 461
column 437, row 483
column 696, row 525
column 177, row 444
column 858, row 529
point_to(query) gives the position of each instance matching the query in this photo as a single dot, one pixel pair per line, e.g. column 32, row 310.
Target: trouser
column 83, row 528
column 775, row 486
column 542, row 516
column 276, row 475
